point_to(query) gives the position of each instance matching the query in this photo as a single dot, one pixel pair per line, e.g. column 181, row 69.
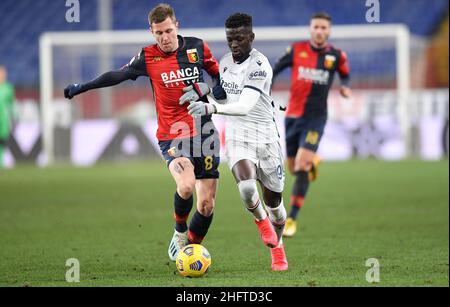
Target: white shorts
column 268, row 159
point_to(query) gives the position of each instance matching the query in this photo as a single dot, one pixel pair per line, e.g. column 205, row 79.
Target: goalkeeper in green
column 6, row 111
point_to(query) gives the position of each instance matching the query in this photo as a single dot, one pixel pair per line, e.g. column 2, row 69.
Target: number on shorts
column 280, row 172
column 209, row 163
column 312, row 137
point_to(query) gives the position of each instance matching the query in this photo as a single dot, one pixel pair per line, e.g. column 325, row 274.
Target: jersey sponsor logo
column 318, row 76
column 329, row 61
column 257, row 75
column 189, row 74
column 230, row 88
column 192, row 55
column 303, row 54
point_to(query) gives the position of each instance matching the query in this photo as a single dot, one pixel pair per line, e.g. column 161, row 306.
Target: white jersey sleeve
column 247, row 101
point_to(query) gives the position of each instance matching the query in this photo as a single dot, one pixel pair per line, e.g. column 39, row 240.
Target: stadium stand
column 19, row 43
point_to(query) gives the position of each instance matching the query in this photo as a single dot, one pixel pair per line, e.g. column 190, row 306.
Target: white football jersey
column 258, row 126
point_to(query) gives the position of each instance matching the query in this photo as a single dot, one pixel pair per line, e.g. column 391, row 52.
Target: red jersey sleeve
column 344, row 69
column 210, row 63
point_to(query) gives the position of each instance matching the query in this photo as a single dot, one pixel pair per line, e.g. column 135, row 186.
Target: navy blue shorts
column 303, row 133
column 203, row 151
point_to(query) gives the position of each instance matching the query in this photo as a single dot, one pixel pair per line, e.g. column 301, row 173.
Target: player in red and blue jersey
column 190, row 146
column 313, row 64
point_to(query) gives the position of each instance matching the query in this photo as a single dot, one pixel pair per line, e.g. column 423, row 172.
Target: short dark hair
column 321, row 15
column 160, row 13
column 239, row 20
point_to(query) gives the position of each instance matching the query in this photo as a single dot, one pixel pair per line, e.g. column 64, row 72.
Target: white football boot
column 179, row 240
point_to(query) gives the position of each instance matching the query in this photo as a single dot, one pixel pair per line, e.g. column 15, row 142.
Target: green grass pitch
column 117, row 221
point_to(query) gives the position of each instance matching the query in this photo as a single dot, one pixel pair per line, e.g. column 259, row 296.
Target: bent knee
column 272, row 199
column 304, row 163
column 247, row 189
column 206, row 206
column 186, row 189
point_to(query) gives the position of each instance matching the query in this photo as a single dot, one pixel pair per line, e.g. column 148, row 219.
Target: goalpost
column 63, row 58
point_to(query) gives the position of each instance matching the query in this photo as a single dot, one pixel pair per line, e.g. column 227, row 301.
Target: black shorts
column 203, row 151
column 303, row 133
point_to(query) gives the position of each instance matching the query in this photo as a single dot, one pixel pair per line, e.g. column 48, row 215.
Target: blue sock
column 299, row 191
column 294, row 212
column 182, row 209
column 198, row 228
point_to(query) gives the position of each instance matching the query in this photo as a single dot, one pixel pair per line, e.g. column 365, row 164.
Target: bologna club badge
column 192, row 55
column 329, row 61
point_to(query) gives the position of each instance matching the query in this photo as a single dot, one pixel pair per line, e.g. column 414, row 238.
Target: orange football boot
column 268, row 235
column 279, row 260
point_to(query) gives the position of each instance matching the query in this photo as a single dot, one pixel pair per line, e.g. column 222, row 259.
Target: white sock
column 258, row 211
column 250, row 197
column 278, row 218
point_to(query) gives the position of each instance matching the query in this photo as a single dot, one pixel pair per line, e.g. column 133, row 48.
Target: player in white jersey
column 252, row 140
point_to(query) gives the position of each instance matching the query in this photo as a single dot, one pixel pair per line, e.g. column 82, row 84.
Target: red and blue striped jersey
column 169, row 73
column 312, row 76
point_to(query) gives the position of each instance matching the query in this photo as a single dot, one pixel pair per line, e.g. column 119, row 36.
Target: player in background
column 313, row 64
column 190, row 148
column 7, row 111
column 252, row 140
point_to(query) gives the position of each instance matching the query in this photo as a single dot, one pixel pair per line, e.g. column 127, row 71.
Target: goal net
column 119, row 123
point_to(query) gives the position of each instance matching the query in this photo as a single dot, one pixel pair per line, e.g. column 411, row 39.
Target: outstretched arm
column 284, row 62
column 258, row 74
column 247, row 101
column 110, row 78
column 344, row 74
column 131, row 71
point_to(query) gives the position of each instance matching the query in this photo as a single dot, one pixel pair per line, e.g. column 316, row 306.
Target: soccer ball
column 193, row 260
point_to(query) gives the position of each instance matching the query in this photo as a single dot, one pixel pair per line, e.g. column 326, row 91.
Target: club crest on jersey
column 192, row 55
column 329, row 61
